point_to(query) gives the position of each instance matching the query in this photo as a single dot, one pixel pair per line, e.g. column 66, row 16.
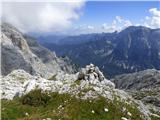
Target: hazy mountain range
column 35, row 80
column 133, row 49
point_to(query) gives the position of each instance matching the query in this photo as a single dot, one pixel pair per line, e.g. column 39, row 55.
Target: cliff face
column 23, row 52
column 147, row 79
column 143, row 85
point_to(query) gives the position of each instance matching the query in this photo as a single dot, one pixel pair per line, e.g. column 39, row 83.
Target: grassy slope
column 41, row 105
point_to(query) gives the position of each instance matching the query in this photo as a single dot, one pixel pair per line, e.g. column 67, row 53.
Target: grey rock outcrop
column 143, row 85
column 146, row 79
column 22, row 52
column 19, row 82
column 152, row 100
column 90, row 86
column 93, row 75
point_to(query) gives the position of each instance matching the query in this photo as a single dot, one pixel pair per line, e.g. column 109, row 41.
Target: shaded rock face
column 12, row 59
column 146, row 79
column 12, row 46
column 22, row 52
column 134, row 49
column 143, row 85
column 152, row 100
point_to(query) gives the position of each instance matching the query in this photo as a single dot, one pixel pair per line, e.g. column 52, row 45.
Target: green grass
column 78, row 82
column 72, row 108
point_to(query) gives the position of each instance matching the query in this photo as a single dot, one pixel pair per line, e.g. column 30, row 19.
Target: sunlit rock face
column 19, row 82
column 93, row 75
column 89, row 83
column 23, row 52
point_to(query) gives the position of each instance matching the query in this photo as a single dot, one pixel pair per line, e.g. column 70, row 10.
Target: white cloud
column 155, row 12
column 155, row 19
column 117, row 24
column 90, row 27
column 120, row 23
column 152, row 21
column 42, row 16
column 119, row 19
column 127, row 23
column 83, row 29
column 104, row 26
column 123, row 22
column 109, row 28
column 147, row 18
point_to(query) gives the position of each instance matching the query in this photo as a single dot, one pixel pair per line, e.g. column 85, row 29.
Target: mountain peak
column 136, row 28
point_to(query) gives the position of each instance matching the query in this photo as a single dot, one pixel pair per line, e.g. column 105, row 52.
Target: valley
column 42, row 85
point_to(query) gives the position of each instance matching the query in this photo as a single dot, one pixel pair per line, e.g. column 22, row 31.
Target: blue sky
column 96, row 13
column 79, row 16
column 110, row 16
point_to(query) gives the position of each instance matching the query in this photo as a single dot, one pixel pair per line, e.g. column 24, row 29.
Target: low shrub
column 36, row 98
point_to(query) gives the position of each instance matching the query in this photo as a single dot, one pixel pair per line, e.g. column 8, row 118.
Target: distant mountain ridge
column 71, row 39
column 37, row 84
column 133, row 49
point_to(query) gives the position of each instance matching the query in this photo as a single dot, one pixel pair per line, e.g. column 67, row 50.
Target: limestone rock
column 23, row 52
column 19, row 83
column 146, row 79
column 92, row 74
column 143, row 85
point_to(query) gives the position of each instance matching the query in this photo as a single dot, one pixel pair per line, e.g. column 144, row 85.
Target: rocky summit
column 93, row 75
column 88, row 84
column 19, row 82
